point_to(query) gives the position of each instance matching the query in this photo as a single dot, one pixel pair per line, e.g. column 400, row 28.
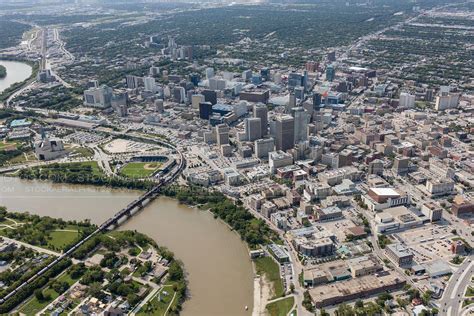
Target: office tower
column 247, row 75
column 292, row 101
column 429, row 95
column 261, row 111
column 98, row 97
column 311, row 66
column 196, row 99
column 299, row 93
column 150, row 84
column 154, row 71
column 132, row 81
column 253, row 129
column 155, row 39
column 330, row 73
column 179, row 94
column 285, row 132
column 305, row 80
column 205, row 110
column 295, row 80
column 345, row 158
column 401, row 165
column 209, row 73
column 375, row 167
column 331, row 56
column 119, row 98
column 265, row 73
column 159, row 106
column 406, row 100
column 316, row 100
column 93, row 84
column 171, row 42
column 195, row 78
column 222, row 134
column 217, row 84
column 447, row 101
column 301, row 120
column 210, row 96
column 256, row 79
column 263, row 147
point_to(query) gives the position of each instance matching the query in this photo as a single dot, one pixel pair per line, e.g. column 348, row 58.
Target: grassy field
column 268, row 267
column 80, row 152
column 470, row 291
column 158, row 307
column 280, row 308
column 139, row 169
column 7, row 145
column 94, row 165
column 33, row 306
column 60, row 239
column 30, row 156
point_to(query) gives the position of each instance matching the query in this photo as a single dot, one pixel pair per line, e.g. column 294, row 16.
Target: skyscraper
column 150, row 84
column 285, row 132
column 301, row 124
column 330, row 73
column 261, row 111
column 253, row 129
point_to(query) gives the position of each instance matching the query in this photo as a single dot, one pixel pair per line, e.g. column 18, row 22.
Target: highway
column 114, row 221
column 451, row 302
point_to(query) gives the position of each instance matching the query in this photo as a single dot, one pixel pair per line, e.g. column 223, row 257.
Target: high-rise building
column 263, row 147
column 209, row 73
column 292, row 101
column 154, row 71
column 150, row 84
column 301, row 120
column 261, row 111
column 285, row 132
column 299, row 93
column 295, row 80
column 247, row 74
column 179, row 94
column 265, row 73
column 406, row 100
column 98, row 97
column 159, row 106
column 311, row 66
column 196, row 99
column 253, row 129
column 331, row 56
column 256, row 79
column 222, row 134
column 330, row 73
column 195, row 78
column 132, row 81
column 317, row 100
column 205, row 110
column 210, row 96
column 447, row 101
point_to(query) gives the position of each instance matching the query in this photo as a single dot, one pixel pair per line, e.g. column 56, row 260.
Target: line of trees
column 252, row 230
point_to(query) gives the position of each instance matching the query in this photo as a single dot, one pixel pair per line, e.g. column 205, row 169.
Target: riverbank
column 18, row 82
column 217, row 265
column 133, row 256
column 3, row 72
column 253, row 231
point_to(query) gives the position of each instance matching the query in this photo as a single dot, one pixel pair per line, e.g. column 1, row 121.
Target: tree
column 39, row 295
column 322, row 312
column 292, row 288
column 359, row 304
column 344, row 310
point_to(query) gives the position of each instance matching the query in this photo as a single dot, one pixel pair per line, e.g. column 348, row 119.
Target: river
column 216, row 260
column 16, row 72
